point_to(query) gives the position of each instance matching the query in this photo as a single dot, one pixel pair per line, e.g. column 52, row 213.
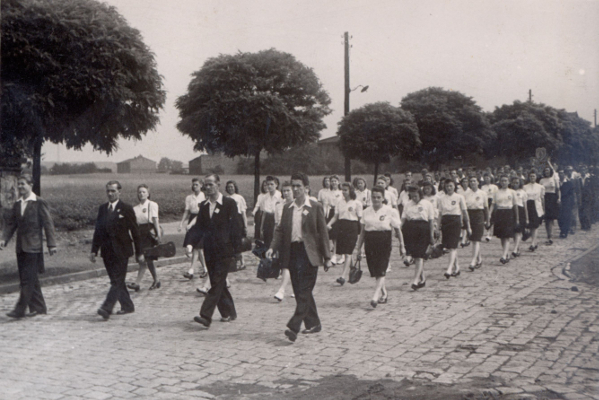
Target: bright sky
column 492, row 50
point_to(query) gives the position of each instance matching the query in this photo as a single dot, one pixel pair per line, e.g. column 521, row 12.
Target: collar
column 219, row 199
column 306, row 203
column 31, row 197
column 113, row 204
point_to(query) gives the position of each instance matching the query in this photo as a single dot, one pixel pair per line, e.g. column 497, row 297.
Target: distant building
column 137, row 165
column 329, row 148
column 214, row 163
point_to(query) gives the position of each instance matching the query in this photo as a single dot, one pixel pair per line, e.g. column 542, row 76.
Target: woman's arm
column 333, row 220
column 360, row 242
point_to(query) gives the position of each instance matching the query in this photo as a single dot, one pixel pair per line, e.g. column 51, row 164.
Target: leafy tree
column 376, row 132
column 165, row 164
column 73, row 72
column 177, row 166
column 580, row 143
column 450, row 124
column 248, row 102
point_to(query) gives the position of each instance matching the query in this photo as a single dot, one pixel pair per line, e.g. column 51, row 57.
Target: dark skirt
column 257, row 225
column 451, row 226
column 521, row 225
column 334, row 231
column 477, row 224
column 417, row 237
column 551, row 206
column 377, row 246
column 268, row 227
column 534, row 221
column 192, row 235
column 331, row 214
column 347, row 236
column 146, row 240
column 504, row 223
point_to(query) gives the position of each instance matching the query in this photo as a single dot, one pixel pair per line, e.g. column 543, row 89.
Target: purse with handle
column 355, row 273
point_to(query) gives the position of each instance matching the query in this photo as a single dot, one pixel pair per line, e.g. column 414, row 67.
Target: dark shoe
column 227, row 319
column 188, row 275
column 314, row 329
column 155, row 285
column 202, row 321
column 549, row 242
column 33, row 314
column 123, row 312
column 133, row 286
column 202, row 275
column 421, row 284
column 414, row 287
column 383, row 300
column 532, row 248
column 477, row 266
column 103, row 313
column 455, row 274
column 15, row 314
column 515, row 254
column 446, row 275
column 290, row 335
column 373, row 303
column 472, row 267
column 503, row 260
column 202, row 290
column 279, row 297
column 340, row 281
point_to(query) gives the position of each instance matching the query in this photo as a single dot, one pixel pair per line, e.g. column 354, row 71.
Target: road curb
column 561, row 273
column 83, row 275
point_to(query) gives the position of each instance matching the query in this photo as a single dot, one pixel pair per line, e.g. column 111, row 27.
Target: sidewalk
column 512, row 332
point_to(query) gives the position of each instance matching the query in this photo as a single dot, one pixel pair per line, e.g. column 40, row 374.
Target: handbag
column 435, row 251
column 268, row 268
column 355, row 273
column 161, row 250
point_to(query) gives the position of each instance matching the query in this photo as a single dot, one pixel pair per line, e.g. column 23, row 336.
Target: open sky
column 491, row 50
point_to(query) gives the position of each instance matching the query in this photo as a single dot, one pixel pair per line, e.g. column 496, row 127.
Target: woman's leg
column 505, row 244
column 346, row 266
column 419, row 271
column 152, row 269
column 379, row 291
column 533, row 235
column 517, row 239
column 475, row 254
column 286, row 278
column 140, row 272
column 453, row 259
column 194, row 258
column 549, row 228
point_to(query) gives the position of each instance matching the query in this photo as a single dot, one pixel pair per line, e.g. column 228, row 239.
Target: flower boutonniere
column 216, row 210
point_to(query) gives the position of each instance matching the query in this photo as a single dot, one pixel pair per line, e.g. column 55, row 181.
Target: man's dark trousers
column 31, row 291
column 117, row 272
column 218, row 295
column 303, row 280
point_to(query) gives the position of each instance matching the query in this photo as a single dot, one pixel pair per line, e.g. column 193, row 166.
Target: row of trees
column 73, row 169
column 75, row 73
column 166, row 165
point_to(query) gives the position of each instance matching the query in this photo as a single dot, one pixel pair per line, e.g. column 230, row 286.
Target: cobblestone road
column 517, row 328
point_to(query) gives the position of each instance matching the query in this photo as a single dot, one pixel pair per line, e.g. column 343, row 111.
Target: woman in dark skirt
column 417, row 222
column 505, row 216
column 378, row 222
column 552, row 200
column 452, row 208
column 192, row 208
column 348, row 213
column 521, row 200
column 258, row 213
column 478, row 214
column 568, row 201
column 146, row 214
column 535, row 206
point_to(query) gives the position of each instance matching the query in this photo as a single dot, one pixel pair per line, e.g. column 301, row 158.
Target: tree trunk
column 256, row 177
column 347, row 169
column 37, row 166
column 376, row 172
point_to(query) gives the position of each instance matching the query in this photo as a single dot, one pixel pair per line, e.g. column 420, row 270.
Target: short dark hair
column 428, row 184
column 117, row 183
column 415, row 189
column 352, row 192
column 378, row 189
column 358, row 179
column 27, row 178
column 215, row 176
column 300, row 176
column 234, row 185
column 324, row 180
column 285, row 184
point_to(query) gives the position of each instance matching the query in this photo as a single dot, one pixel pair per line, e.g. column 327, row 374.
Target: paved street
column 515, row 330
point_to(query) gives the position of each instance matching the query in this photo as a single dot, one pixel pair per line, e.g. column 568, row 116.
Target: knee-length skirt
column 451, row 226
column 147, row 241
column 417, row 237
column 192, row 235
column 521, row 225
column 347, row 236
column 377, row 246
column 477, row 224
column 504, row 223
column 534, row 221
column 551, row 206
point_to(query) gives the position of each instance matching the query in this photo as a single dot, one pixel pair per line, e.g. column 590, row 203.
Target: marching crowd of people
column 342, row 224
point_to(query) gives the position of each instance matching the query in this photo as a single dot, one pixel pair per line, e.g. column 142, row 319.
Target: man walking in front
column 302, row 241
column 220, row 228
column 116, row 231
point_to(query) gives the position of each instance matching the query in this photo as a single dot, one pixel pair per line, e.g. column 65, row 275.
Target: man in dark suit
column 302, row 240
column 30, row 215
column 116, row 232
column 219, row 227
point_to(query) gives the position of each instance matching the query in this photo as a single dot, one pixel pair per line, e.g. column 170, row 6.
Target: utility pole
column 346, row 106
column 595, row 117
column 530, row 95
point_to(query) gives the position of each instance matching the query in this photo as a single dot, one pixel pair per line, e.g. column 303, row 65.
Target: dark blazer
column 29, row 226
column 314, row 231
column 118, row 230
column 222, row 233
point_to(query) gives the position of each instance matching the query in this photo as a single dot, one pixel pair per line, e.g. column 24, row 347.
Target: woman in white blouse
column 452, row 211
column 348, row 213
column 146, row 213
column 287, row 198
column 478, row 213
column 323, row 196
column 505, row 216
column 490, row 189
column 417, row 223
column 463, row 188
column 335, row 196
column 233, row 192
column 378, row 222
column 521, row 200
column 552, row 200
column 362, row 192
column 192, row 208
column 535, row 206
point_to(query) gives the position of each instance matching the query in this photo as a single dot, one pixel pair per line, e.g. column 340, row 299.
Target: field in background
column 74, row 199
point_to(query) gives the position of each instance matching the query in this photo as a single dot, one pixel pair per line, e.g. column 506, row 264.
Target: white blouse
column 521, row 197
column 241, row 204
column 145, row 212
column 490, row 189
column 384, row 219
column 505, row 198
column 192, row 202
column 475, row 200
column 452, row 205
column 364, row 197
column 349, row 210
column 550, row 184
column 536, row 193
column 421, row 211
column 434, row 200
column 268, row 202
column 390, row 198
